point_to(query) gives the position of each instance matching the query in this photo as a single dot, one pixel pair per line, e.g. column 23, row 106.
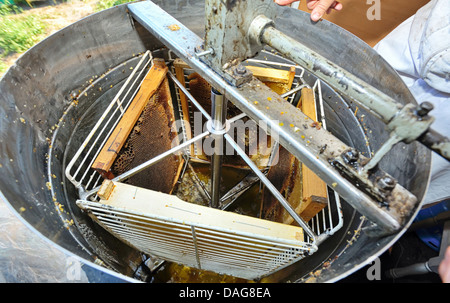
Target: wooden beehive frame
column 117, row 139
column 278, row 80
column 166, row 227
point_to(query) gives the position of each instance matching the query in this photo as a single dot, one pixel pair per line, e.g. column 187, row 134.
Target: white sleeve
column 419, row 49
column 430, row 44
column 420, row 46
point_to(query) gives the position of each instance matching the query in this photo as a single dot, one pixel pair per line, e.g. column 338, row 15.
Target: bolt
column 199, row 52
column 240, row 69
column 386, row 183
column 351, row 156
column 424, row 108
column 214, row 9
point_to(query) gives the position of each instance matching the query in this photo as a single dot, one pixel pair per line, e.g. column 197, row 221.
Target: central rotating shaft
column 218, row 129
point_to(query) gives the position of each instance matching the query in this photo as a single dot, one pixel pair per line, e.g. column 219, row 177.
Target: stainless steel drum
column 54, row 93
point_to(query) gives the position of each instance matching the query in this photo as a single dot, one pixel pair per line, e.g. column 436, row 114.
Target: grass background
column 23, row 23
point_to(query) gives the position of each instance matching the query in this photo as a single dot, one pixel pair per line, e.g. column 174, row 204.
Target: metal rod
column 219, row 115
column 190, row 97
column 346, row 83
column 194, row 239
column 152, row 161
column 272, row 189
column 158, row 158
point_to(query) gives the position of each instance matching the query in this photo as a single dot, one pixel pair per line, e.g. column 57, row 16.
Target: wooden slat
column 108, row 154
column 180, row 65
column 265, row 74
column 314, row 189
column 280, row 81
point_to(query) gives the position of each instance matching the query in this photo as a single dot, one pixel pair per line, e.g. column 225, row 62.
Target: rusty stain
column 316, row 125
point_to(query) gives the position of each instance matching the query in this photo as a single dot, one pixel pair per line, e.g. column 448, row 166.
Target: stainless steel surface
column 39, row 89
column 27, row 257
column 218, row 125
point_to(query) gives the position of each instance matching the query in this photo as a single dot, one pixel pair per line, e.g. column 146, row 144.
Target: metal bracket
column 227, row 24
column 408, row 125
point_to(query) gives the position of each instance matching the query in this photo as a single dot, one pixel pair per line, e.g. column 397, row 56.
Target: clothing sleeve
column 419, row 48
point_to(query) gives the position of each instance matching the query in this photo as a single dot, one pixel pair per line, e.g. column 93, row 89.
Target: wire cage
column 225, row 242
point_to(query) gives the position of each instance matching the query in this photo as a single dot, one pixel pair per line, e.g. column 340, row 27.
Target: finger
column 322, row 6
column 337, row 6
column 444, row 267
column 311, row 4
column 284, row 2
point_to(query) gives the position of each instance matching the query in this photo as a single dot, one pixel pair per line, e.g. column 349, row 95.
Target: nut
column 240, row 69
column 386, row 183
column 351, row 156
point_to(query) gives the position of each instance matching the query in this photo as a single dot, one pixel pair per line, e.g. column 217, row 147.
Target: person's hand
column 444, row 267
column 318, row 7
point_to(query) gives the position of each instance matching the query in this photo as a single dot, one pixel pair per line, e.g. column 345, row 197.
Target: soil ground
column 56, row 15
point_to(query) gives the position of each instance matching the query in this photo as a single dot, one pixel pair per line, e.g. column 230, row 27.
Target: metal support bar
column 234, row 193
column 346, row 83
column 194, row 240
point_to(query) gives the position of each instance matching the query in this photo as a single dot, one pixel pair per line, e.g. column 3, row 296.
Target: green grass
column 18, row 32
column 104, row 4
column 3, row 67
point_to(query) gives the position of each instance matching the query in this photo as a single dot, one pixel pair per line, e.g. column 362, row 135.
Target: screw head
column 424, row 108
column 351, row 156
column 386, row 183
column 240, row 69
